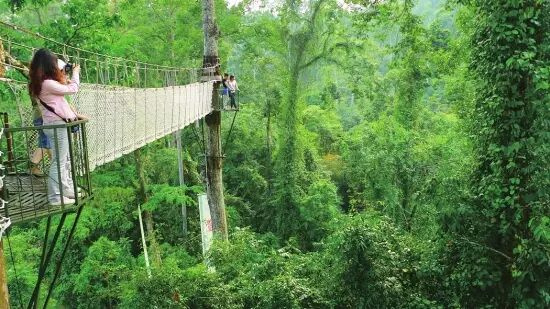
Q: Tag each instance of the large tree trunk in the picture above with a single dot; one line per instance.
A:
(211, 33)
(214, 163)
(406, 110)
(289, 165)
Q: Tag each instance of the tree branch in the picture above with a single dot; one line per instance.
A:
(486, 247)
(5, 57)
(324, 54)
(75, 32)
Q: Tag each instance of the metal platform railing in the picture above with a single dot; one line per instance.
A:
(25, 192)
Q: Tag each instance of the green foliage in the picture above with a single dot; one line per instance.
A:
(327, 126)
(369, 265)
(108, 264)
(26, 254)
(163, 195)
(109, 214)
(389, 156)
(317, 211)
(260, 277)
(510, 125)
(171, 287)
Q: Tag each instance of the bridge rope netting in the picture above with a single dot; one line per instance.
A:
(129, 103)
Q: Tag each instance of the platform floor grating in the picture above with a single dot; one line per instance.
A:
(27, 199)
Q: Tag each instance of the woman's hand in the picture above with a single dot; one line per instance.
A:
(82, 117)
(76, 69)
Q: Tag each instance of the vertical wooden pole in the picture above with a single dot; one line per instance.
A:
(144, 243)
(214, 179)
(4, 295)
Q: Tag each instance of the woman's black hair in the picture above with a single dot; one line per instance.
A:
(43, 66)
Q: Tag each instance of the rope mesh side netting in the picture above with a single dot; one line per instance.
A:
(124, 119)
(128, 103)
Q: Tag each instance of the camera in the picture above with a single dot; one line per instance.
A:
(68, 68)
(65, 66)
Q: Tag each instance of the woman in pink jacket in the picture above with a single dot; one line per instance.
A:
(49, 85)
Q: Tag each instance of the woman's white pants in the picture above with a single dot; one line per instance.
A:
(60, 163)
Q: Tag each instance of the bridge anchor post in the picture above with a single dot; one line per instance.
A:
(4, 294)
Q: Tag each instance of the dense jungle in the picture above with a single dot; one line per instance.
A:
(386, 154)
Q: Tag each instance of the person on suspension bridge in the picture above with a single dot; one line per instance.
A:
(233, 88)
(49, 85)
(225, 90)
(225, 80)
(44, 145)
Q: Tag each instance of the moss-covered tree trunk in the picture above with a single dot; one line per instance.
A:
(303, 31)
(407, 107)
(511, 60)
(290, 163)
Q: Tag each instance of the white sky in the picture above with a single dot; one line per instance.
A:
(268, 5)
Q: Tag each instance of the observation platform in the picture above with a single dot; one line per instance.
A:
(26, 194)
(27, 198)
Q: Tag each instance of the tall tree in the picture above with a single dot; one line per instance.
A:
(407, 108)
(511, 204)
(311, 37)
(214, 179)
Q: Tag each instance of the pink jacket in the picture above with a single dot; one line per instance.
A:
(53, 94)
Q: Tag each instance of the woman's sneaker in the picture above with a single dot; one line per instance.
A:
(66, 200)
(72, 195)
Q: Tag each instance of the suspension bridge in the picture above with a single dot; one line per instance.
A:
(129, 104)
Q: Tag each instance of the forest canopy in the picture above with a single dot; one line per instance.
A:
(386, 154)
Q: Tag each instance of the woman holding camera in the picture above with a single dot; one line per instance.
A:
(49, 85)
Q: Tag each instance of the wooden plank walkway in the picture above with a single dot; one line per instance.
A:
(27, 199)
